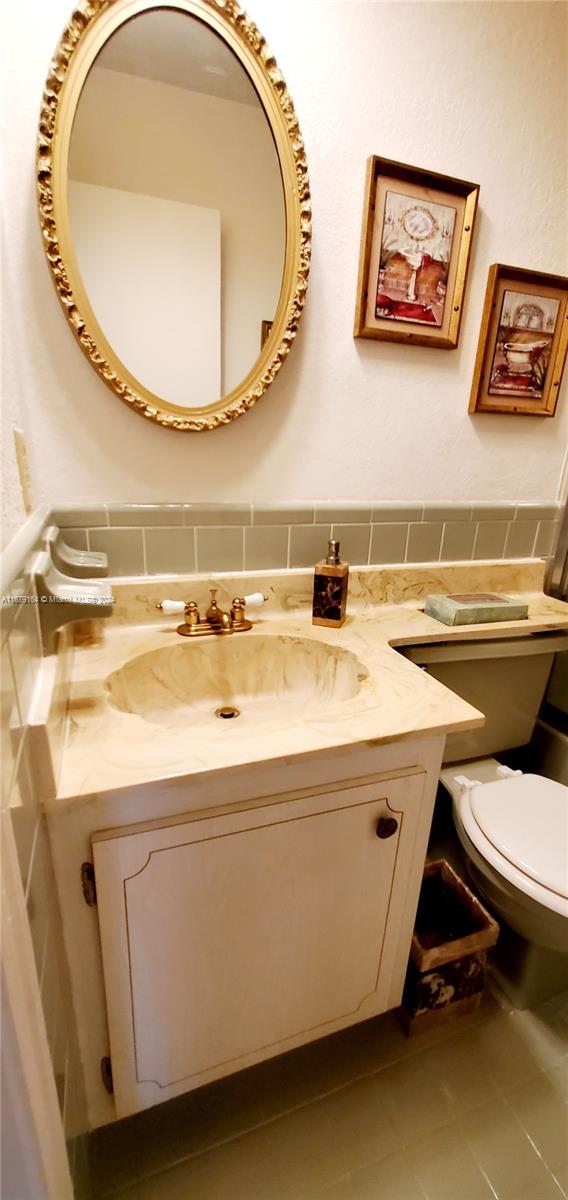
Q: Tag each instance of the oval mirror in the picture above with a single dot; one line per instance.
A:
(174, 204)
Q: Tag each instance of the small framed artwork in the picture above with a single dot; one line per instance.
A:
(522, 343)
(415, 250)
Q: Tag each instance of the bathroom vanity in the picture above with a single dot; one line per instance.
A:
(247, 885)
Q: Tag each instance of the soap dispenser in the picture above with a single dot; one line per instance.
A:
(330, 589)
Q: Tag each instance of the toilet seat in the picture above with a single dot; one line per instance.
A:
(520, 826)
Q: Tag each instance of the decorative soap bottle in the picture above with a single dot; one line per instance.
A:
(330, 589)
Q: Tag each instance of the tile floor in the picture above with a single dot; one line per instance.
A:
(477, 1110)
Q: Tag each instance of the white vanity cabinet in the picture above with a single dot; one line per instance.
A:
(231, 937)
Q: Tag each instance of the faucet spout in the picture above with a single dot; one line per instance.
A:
(215, 615)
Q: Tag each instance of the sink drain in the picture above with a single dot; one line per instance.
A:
(228, 712)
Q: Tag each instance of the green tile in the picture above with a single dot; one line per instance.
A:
(490, 539)
(521, 539)
(10, 725)
(393, 512)
(24, 815)
(170, 550)
(217, 514)
(424, 542)
(342, 514)
(537, 512)
(388, 543)
(26, 655)
(12, 596)
(219, 549)
(544, 1117)
(129, 515)
(76, 538)
(457, 541)
(277, 514)
(445, 1166)
(447, 512)
(489, 511)
(308, 544)
(266, 547)
(124, 548)
(389, 1179)
(354, 542)
(546, 537)
(79, 516)
(502, 1149)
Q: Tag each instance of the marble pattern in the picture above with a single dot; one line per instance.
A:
(186, 681)
(107, 749)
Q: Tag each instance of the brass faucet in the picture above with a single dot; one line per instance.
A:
(215, 621)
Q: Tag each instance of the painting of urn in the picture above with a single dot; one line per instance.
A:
(416, 246)
(521, 357)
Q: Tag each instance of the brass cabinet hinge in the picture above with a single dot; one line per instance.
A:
(88, 883)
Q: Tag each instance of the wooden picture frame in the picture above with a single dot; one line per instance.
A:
(414, 257)
(523, 343)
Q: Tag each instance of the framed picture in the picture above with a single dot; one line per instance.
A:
(522, 343)
(415, 250)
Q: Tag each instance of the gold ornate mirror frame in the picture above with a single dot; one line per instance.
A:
(89, 27)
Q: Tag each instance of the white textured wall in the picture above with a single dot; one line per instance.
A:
(139, 132)
(474, 89)
(12, 512)
(129, 247)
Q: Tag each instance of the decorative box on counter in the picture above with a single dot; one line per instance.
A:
(475, 609)
(446, 971)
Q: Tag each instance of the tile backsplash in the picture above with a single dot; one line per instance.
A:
(159, 539)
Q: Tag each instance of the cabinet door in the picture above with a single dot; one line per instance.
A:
(230, 938)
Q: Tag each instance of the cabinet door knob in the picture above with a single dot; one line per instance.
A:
(386, 826)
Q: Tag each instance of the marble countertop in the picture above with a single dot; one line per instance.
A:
(107, 749)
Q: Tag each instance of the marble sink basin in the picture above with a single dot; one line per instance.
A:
(264, 678)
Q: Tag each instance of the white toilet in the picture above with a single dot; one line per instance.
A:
(513, 827)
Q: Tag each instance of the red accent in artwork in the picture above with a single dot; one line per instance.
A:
(518, 382)
(402, 308)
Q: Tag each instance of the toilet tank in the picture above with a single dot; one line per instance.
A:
(503, 677)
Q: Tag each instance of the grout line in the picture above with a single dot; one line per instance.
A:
(405, 559)
(535, 539)
(507, 536)
(475, 537)
(31, 861)
(41, 973)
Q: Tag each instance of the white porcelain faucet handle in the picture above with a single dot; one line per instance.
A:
(255, 598)
(171, 606)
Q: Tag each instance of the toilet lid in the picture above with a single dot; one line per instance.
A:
(526, 818)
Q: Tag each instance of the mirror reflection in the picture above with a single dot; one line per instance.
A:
(176, 207)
